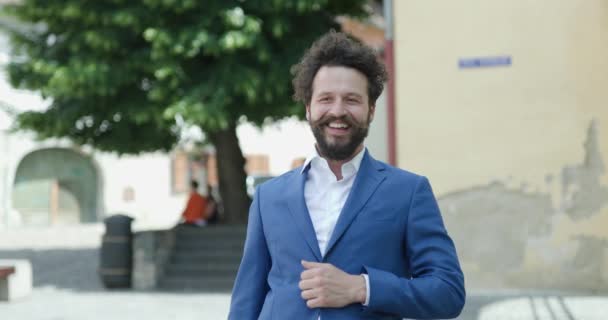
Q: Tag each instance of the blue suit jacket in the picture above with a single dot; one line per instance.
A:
(390, 228)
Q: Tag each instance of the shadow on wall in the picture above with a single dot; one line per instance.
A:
(74, 269)
(506, 238)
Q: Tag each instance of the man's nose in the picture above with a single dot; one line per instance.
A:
(338, 108)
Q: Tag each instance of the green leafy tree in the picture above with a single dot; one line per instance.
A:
(119, 73)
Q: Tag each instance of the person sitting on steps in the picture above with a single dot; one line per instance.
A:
(196, 210)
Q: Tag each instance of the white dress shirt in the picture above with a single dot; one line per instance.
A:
(325, 197)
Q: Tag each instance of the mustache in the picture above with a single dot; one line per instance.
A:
(328, 119)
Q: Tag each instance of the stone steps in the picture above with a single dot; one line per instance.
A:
(204, 259)
(204, 256)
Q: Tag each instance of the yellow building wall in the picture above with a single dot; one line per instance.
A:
(516, 154)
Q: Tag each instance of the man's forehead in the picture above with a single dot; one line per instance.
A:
(346, 93)
(339, 79)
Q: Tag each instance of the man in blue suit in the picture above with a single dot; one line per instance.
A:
(345, 236)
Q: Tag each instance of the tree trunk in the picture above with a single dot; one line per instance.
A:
(231, 174)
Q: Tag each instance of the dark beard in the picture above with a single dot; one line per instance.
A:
(338, 151)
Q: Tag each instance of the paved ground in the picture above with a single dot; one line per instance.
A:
(534, 306)
(57, 304)
(50, 303)
(67, 287)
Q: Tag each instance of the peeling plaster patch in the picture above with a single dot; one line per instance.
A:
(511, 237)
(589, 262)
(582, 193)
(581, 264)
(492, 223)
(543, 251)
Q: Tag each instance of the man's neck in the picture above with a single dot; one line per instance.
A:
(336, 165)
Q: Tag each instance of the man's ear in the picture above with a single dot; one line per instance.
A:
(372, 110)
(308, 112)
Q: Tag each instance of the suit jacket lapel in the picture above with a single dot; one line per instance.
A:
(368, 179)
(297, 206)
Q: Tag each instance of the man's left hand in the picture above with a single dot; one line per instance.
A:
(324, 285)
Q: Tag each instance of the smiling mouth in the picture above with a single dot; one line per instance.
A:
(337, 129)
(338, 125)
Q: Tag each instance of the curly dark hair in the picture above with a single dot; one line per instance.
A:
(338, 49)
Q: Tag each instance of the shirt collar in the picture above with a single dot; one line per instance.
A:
(355, 162)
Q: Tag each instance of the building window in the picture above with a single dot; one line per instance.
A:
(257, 164)
(128, 194)
(184, 168)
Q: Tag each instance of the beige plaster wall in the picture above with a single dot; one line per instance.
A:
(515, 154)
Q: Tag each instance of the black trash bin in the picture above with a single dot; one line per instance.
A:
(116, 252)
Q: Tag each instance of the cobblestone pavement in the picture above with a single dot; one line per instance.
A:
(58, 304)
(50, 303)
(67, 287)
(535, 306)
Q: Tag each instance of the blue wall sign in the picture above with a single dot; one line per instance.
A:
(484, 62)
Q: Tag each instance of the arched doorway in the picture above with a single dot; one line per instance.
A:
(56, 186)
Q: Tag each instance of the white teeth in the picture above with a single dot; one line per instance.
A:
(338, 125)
